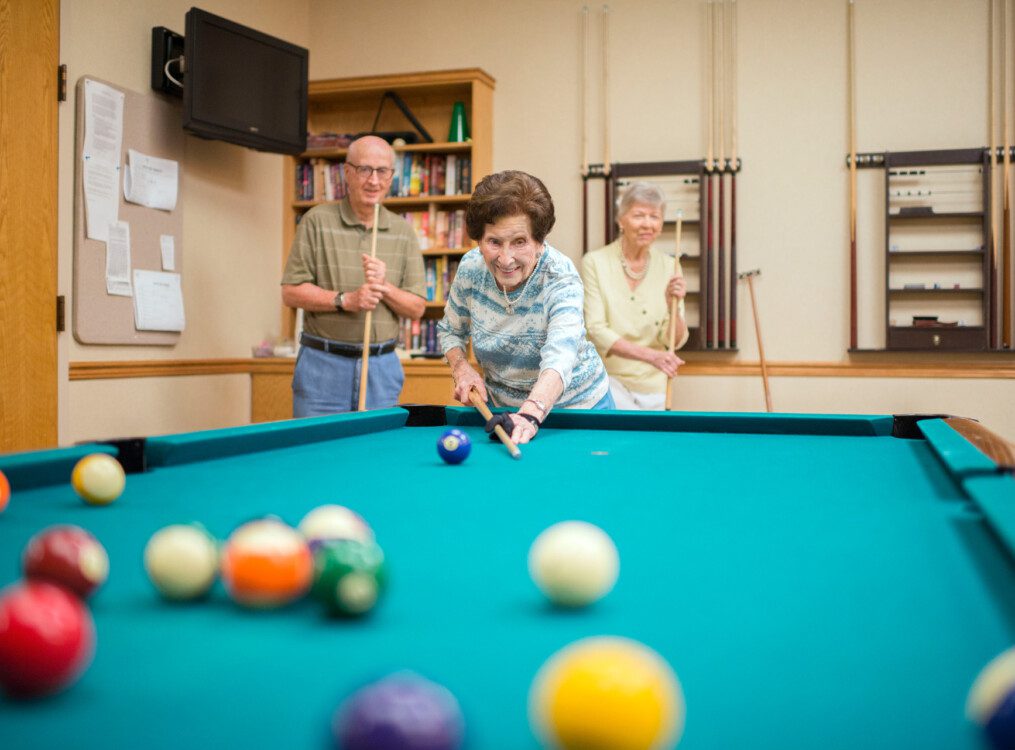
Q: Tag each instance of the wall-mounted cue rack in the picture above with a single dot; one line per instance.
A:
(942, 259)
(704, 194)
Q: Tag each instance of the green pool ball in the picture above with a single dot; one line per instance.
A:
(349, 576)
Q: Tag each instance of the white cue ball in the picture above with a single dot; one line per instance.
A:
(335, 522)
(574, 563)
(182, 561)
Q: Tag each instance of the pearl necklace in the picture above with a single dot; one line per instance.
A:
(507, 302)
(631, 274)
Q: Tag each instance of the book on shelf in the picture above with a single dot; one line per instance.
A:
(320, 179)
(419, 337)
(416, 175)
(438, 274)
(431, 175)
(438, 228)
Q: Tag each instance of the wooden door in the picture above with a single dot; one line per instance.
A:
(29, 58)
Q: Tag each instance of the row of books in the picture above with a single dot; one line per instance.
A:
(438, 273)
(432, 174)
(320, 180)
(438, 228)
(415, 175)
(418, 336)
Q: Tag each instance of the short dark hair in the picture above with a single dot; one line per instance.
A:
(510, 193)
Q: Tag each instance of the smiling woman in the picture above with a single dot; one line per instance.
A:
(520, 301)
(630, 288)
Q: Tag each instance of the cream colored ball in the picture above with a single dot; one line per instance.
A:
(99, 479)
(574, 563)
(181, 561)
(335, 522)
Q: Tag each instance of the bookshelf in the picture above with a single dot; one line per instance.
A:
(434, 207)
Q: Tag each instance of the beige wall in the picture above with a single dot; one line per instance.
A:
(231, 233)
(921, 84)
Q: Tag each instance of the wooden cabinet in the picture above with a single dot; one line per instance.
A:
(271, 397)
(431, 189)
(937, 230)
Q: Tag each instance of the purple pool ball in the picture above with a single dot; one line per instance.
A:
(403, 711)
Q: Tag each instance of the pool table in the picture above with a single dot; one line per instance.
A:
(815, 581)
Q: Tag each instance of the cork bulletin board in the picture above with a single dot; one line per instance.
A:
(152, 126)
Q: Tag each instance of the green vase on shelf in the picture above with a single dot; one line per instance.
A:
(459, 132)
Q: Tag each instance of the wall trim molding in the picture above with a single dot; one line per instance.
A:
(158, 368)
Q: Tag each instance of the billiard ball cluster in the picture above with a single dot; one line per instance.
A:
(47, 636)
(266, 564)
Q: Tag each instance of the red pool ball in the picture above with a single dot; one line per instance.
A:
(5, 492)
(47, 638)
(69, 556)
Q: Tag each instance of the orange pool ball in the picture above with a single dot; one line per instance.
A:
(5, 492)
(266, 564)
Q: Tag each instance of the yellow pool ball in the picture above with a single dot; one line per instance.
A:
(607, 693)
(98, 479)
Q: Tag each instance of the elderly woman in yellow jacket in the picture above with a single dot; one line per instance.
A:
(628, 288)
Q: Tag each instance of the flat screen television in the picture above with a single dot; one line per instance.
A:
(243, 86)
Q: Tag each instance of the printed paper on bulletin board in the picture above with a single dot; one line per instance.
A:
(152, 126)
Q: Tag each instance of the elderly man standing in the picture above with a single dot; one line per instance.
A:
(331, 276)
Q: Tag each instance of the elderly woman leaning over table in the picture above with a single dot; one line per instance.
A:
(520, 301)
(629, 286)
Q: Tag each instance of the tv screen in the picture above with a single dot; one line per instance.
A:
(243, 86)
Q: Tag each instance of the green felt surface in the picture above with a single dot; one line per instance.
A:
(810, 590)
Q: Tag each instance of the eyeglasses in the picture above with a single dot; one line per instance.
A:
(383, 173)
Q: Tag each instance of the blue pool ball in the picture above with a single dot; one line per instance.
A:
(454, 446)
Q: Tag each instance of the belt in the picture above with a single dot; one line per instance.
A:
(346, 350)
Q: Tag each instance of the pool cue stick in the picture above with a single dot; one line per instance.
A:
(705, 315)
(721, 247)
(1006, 271)
(852, 181)
(498, 430)
(608, 190)
(992, 308)
(749, 275)
(584, 91)
(606, 90)
(365, 367)
(673, 313)
(733, 174)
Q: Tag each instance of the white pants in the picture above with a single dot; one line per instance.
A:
(628, 400)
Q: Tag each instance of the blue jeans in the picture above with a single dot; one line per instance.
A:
(326, 383)
(606, 402)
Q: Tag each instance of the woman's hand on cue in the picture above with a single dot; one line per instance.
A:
(676, 287)
(466, 380)
(523, 430)
(663, 360)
